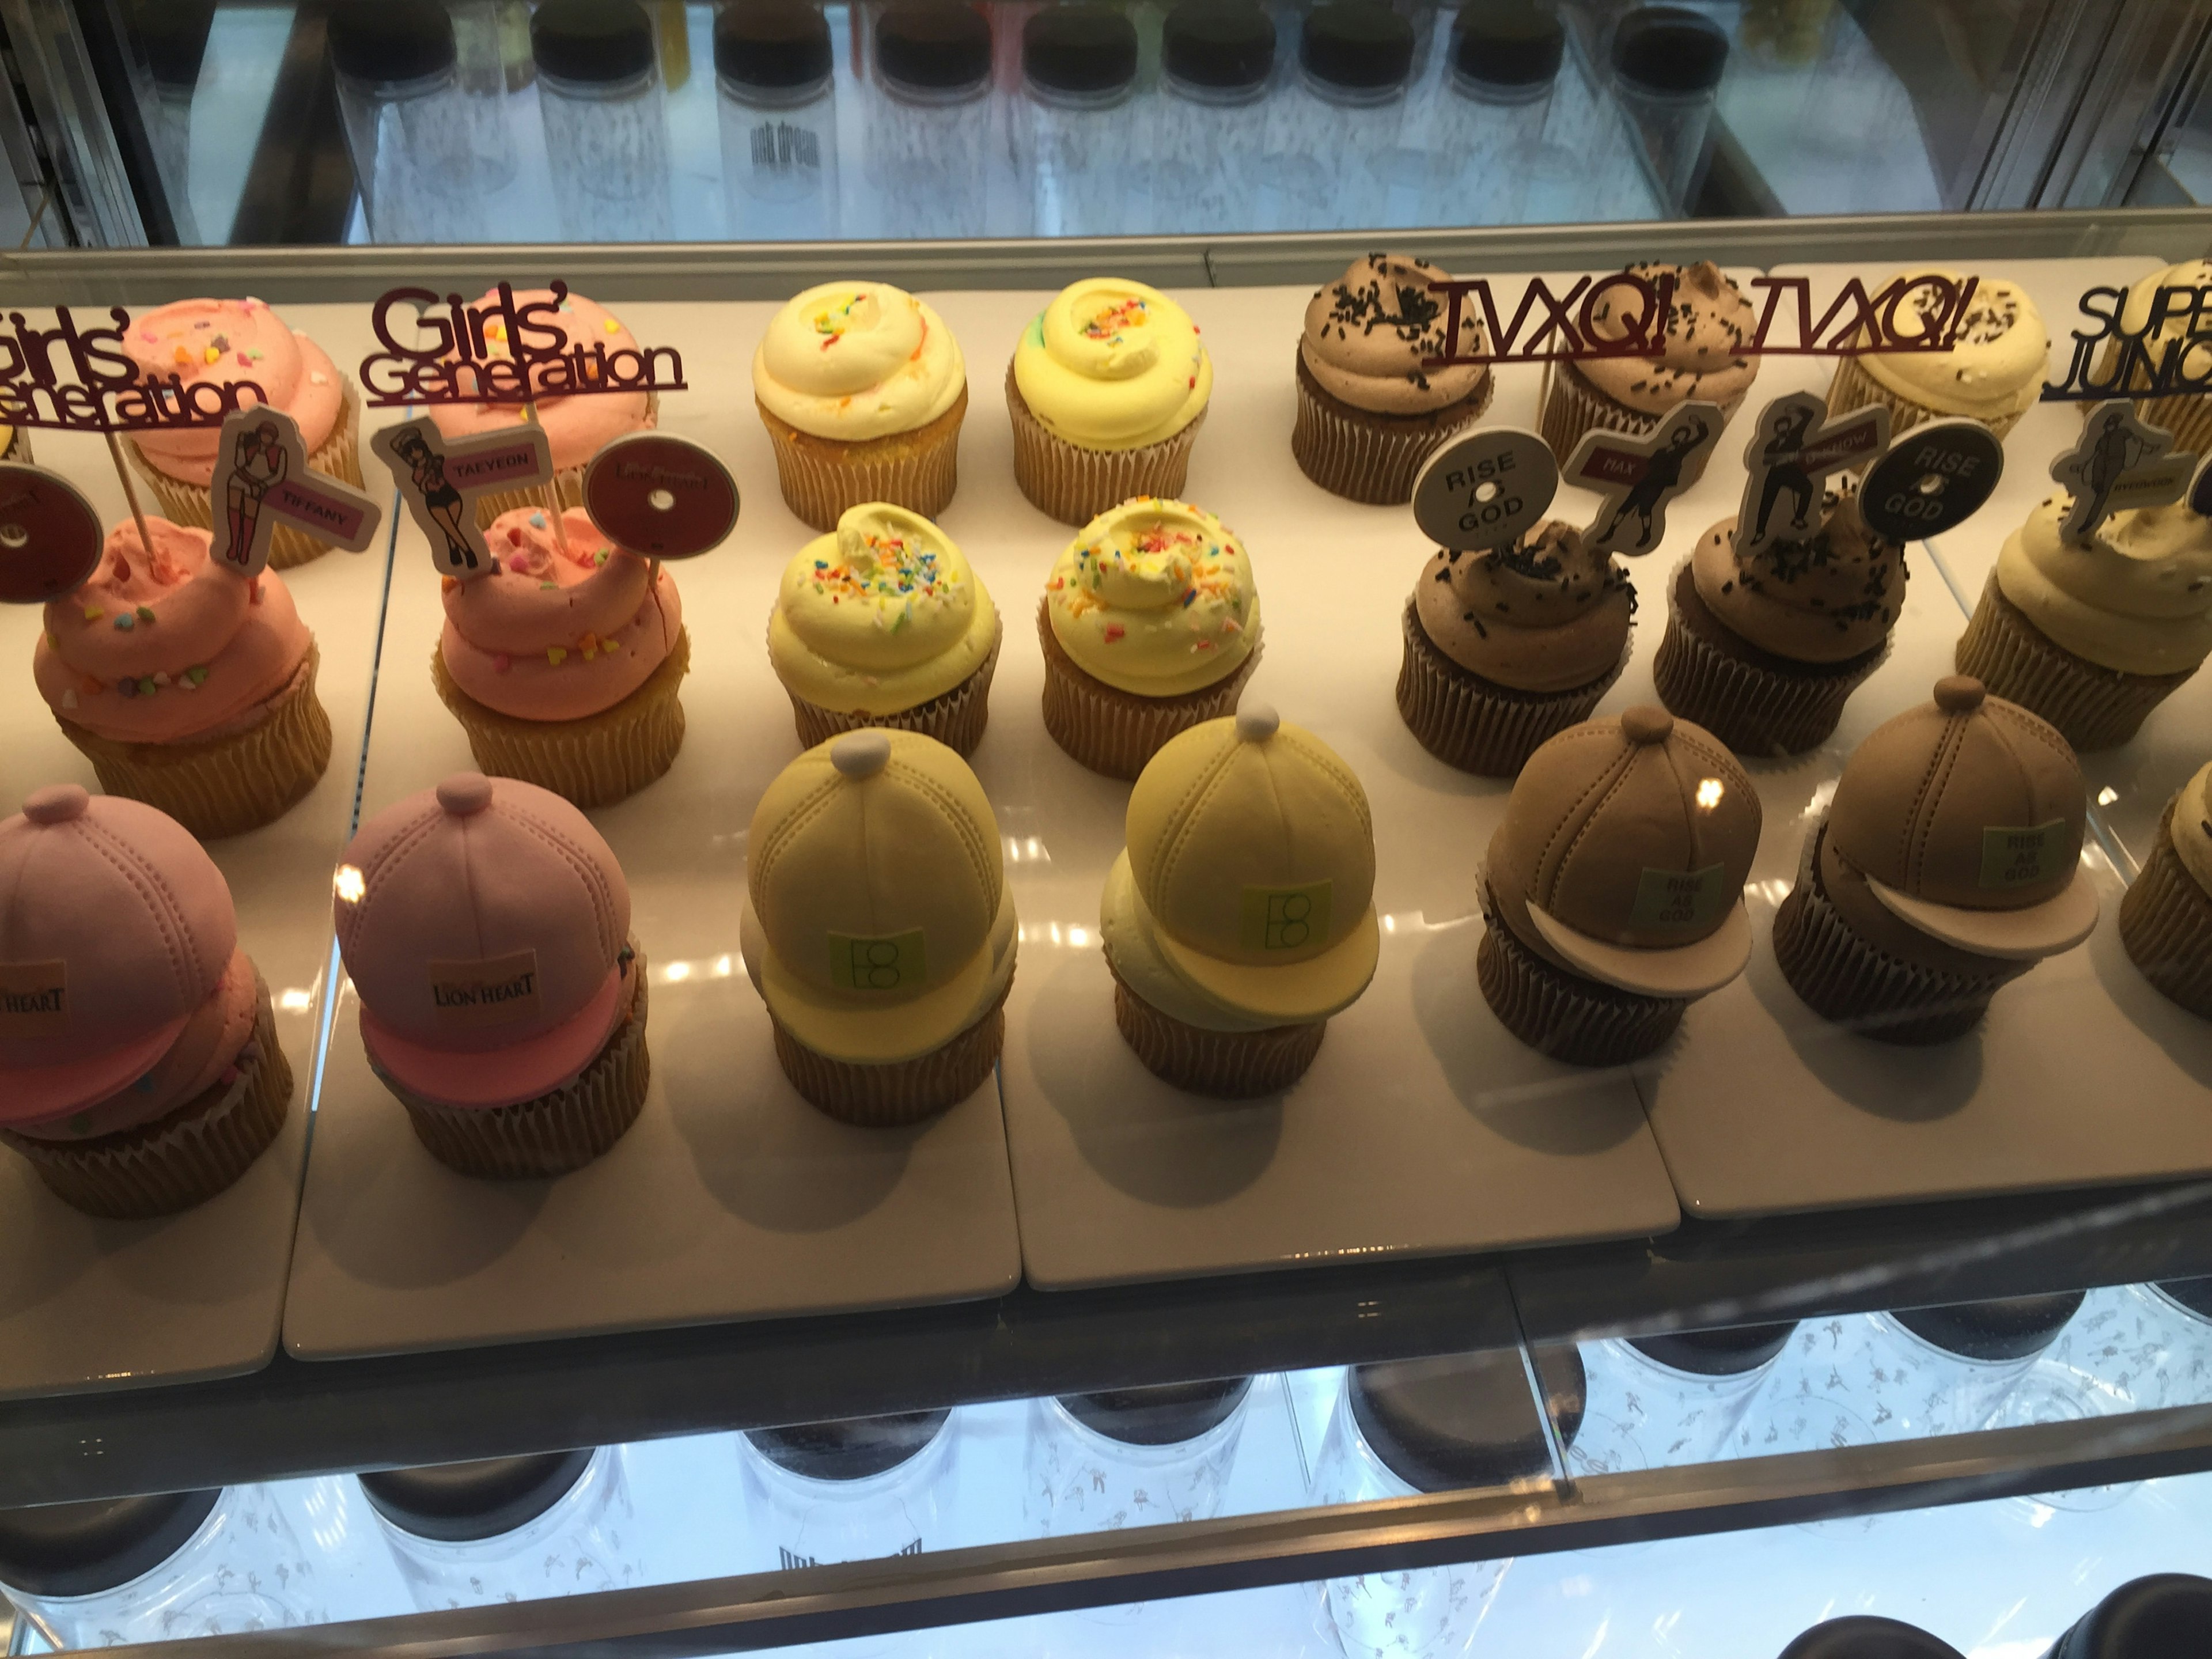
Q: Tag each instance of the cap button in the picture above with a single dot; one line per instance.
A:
(1256, 722)
(465, 793)
(1644, 724)
(1959, 694)
(56, 803)
(861, 754)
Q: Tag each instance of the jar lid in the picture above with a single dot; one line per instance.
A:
(464, 1503)
(2194, 1294)
(2164, 1616)
(851, 1450)
(83, 1549)
(1729, 1352)
(1670, 49)
(1080, 48)
(1164, 1416)
(594, 42)
(2015, 1328)
(773, 44)
(936, 46)
(1359, 44)
(1465, 1420)
(174, 35)
(1224, 43)
(393, 42)
(1863, 1636)
(1508, 43)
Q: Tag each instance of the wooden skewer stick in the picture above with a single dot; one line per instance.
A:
(130, 495)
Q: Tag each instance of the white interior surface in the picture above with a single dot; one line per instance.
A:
(90, 1304)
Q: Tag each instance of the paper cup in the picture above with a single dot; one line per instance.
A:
(1074, 484)
(1226, 1065)
(1561, 1014)
(1477, 725)
(821, 478)
(1366, 457)
(955, 719)
(904, 1092)
(1114, 732)
(2093, 706)
(2165, 924)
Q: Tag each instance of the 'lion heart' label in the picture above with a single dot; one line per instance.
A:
(883, 961)
(34, 999)
(1695, 899)
(485, 991)
(1284, 918)
(2014, 857)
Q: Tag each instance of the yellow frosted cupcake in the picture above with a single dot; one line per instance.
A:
(2180, 330)
(1994, 375)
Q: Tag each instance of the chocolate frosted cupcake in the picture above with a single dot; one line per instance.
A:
(1505, 649)
(1613, 890)
(2165, 920)
(1369, 413)
(1762, 650)
(1948, 865)
(1708, 326)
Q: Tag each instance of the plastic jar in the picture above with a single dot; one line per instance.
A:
(856, 1490)
(1335, 159)
(1217, 62)
(1482, 128)
(606, 131)
(933, 125)
(1680, 1397)
(2168, 1345)
(1667, 66)
(412, 132)
(1131, 1457)
(1085, 165)
(773, 71)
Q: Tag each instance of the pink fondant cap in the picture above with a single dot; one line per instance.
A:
(482, 923)
(114, 926)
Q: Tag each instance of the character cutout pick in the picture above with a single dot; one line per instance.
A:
(2122, 461)
(1794, 448)
(1638, 477)
(440, 478)
(262, 479)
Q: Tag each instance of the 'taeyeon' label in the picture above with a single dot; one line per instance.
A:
(1284, 918)
(2023, 857)
(34, 999)
(488, 990)
(886, 962)
(1682, 898)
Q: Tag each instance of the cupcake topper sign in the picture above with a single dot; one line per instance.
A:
(50, 537)
(440, 478)
(2122, 461)
(501, 351)
(1794, 448)
(262, 480)
(1933, 479)
(1638, 477)
(1485, 489)
(662, 495)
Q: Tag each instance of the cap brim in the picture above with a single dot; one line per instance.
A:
(1289, 993)
(2040, 930)
(35, 1093)
(1678, 971)
(503, 1075)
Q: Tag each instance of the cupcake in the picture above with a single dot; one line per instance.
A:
(485, 925)
(884, 623)
(2181, 330)
(878, 928)
(221, 342)
(1708, 326)
(1947, 863)
(2165, 920)
(139, 1068)
(1241, 915)
(16, 445)
(1762, 650)
(577, 425)
(188, 686)
(1993, 374)
(2092, 638)
(1508, 647)
(862, 390)
(1369, 414)
(1613, 890)
(1106, 390)
(1150, 624)
(563, 663)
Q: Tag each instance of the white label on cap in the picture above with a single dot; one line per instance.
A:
(1284, 918)
(34, 999)
(485, 991)
(883, 962)
(1681, 898)
(2023, 857)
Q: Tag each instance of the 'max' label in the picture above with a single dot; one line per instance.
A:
(885, 962)
(1284, 918)
(485, 991)
(2022, 857)
(1682, 898)
(34, 999)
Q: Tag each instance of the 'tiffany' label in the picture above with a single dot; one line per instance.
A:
(34, 999)
(489, 991)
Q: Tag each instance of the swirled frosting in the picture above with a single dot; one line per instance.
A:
(1708, 326)
(880, 615)
(557, 633)
(1155, 597)
(1997, 367)
(851, 360)
(219, 342)
(577, 427)
(2138, 599)
(1549, 613)
(1827, 599)
(2191, 827)
(169, 648)
(1368, 333)
(1111, 364)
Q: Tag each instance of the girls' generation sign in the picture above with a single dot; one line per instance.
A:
(71, 378)
(502, 349)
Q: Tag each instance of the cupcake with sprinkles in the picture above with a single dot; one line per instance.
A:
(563, 664)
(1702, 357)
(1151, 625)
(884, 623)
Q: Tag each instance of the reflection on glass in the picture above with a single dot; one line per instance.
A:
(606, 131)
(1667, 65)
(778, 106)
(932, 124)
(1078, 75)
(411, 129)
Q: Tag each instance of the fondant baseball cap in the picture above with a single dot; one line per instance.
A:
(1625, 845)
(875, 886)
(115, 926)
(484, 923)
(1252, 849)
(1966, 816)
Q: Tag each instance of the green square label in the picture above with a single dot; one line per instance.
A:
(883, 962)
(2016, 857)
(1682, 898)
(1284, 918)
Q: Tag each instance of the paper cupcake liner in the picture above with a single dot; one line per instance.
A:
(955, 719)
(553, 1133)
(19, 446)
(183, 1158)
(228, 785)
(592, 762)
(1561, 1014)
(1477, 725)
(1370, 457)
(1226, 1065)
(1115, 731)
(1841, 977)
(1075, 485)
(1754, 709)
(568, 484)
(2166, 923)
(1572, 406)
(904, 1092)
(338, 457)
(2093, 706)
(2187, 415)
(821, 477)
(1854, 388)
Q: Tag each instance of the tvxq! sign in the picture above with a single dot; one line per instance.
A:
(502, 349)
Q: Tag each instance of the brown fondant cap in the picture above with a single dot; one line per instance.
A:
(1967, 800)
